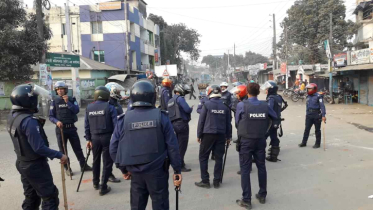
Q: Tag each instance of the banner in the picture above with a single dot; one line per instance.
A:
(115, 5)
(327, 49)
(283, 68)
(166, 71)
(360, 56)
(340, 60)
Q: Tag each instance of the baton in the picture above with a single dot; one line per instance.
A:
(85, 164)
(64, 188)
(323, 132)
(64, 149)
(225, 158)
(229, 107)
(177, 189)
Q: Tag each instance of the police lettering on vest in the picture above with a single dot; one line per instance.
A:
(102, 112)
(216, 117)
(64, 114)
(258, 115)
(254, 122)
(143, 139)
(100, 121)
(217, 111)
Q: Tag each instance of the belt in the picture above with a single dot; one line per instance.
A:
(314, 110)
(68, 125)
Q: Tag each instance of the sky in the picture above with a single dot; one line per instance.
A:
(221, 23)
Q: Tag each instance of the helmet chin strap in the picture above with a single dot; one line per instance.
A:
(223, 91)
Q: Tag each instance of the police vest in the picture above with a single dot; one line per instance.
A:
(163, 102)
(64, 114)
(174, 109)
(226, 97)
(21, 145)
(143, 140)
(117, 106)
(255, 121)
(216, 118)
(277, 104)
(99, 118)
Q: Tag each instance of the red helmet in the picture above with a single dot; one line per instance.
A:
(313, 88)
(166, 82)
(241, 91)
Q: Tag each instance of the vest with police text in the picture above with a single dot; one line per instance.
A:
(277, 105)
(64, 114)
(143, 140)
(216, 117)
(174, 109)
(21, 145)
(254, 122)
(99, 118)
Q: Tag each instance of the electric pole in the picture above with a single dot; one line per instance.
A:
(67, 26)
(234, 56)
(274, 45)
(40, 24)
(331, 57)
(128, 39)
(286, 56)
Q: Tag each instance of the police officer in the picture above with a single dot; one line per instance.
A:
(274, 102)
(202, 101)
(214, 129)
(32, 148)
(315, 113)
(180, 115)
(115, 96)
(252, 118)
(166, 93)
(239, 94)
(140, 145)
(225, 94)
(100, 120)
(63, 112)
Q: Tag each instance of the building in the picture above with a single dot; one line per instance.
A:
(103, 33)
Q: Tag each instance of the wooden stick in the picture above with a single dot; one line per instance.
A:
(64, 188)
(323, 133)
(64, 149)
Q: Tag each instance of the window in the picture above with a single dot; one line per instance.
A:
(151, 39)
(367, 13)
(99, 55)
(96, 27)
(63, 29)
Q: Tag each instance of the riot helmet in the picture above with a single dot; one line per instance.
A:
(224, 84)
(101, 94)
(311, 88)
(60, 84)
(25, 96)
(182, 89)
(166, 82)
(115, 90)
(271, 86)
(214, 91)
(240, 91)
(143, 94)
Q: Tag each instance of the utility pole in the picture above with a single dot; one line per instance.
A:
(286, 56)
(128, 38)
(67, 26)
(274, 45)
(331, 52)
(234, 56)
(40, 24)
(228, 71)
(165, 47)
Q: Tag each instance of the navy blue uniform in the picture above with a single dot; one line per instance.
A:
(99, 123)
(151, 177)
(201, 102)
(314, 112)
(166, 95)
(214, 128)
(253, 146)
(31, 147)
(67, 114)
(181, 126)
(275, 103)
(117, 105)
(227, 98)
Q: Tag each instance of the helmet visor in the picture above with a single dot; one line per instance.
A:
(37, 90)
(266, 86)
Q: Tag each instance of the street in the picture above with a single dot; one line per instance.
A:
(339, 178)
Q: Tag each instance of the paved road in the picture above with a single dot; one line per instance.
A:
(339, 178)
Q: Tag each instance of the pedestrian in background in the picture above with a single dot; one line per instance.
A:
(192, 92)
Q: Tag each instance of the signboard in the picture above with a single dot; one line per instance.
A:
(171, 70)
(114, 5)
(263, 66)
(63, 60)
(340, 60)
(283, 68)
(327, 49)
(360, 56)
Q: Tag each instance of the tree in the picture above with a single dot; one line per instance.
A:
(177, 38)
(252, 58)
(20, 44)
(308, 26)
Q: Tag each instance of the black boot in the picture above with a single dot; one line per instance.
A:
(216, 185)
(272, 156)
(302, 144)
(239, 172)
(261, 199)
(203, 184)
(184, 169)
(104, 190)
(113, 179)
(316, 146)
(87, 168)
(244, 204)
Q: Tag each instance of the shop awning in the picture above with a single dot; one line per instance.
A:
(356, 67)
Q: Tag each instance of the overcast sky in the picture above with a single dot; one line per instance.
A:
(247, 23)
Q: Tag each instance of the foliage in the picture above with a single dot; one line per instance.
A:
(308, 24)
(20, 44)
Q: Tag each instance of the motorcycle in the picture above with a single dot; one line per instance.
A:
(326, 95)
(339, 94)
(298, 94)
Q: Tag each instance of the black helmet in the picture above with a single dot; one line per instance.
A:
(214, 91)
(60, 84)
(143, 93)
(271, 86)
(182, 89)
(101, 94)
(23, 98)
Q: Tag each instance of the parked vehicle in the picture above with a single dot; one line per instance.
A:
(326, 95)
(339, 95)
(298, 94)
(288, 92)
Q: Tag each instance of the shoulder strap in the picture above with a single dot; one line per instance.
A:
(12, 122)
